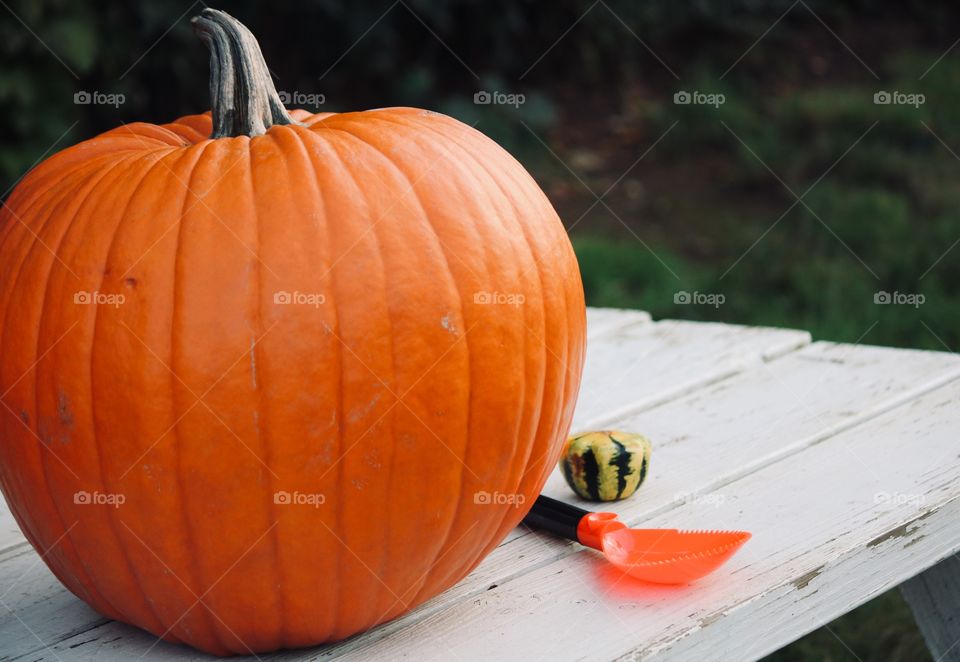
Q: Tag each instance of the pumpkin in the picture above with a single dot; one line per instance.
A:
(258, 364)
(607, 465)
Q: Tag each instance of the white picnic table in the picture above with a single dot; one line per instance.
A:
(843, 460)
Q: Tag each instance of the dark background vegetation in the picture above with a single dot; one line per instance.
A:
(695, 198)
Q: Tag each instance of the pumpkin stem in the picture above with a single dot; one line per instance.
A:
(242, 96)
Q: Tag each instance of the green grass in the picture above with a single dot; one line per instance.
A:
(883, 219)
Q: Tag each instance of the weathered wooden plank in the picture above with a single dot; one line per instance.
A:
(642, 364)
(934, 598)
(834, 525)
(603, 320)
(10, 534)
(709, 438)
(35, 610)
(731, 427)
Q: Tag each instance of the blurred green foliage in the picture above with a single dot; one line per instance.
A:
(880, 189)
(426, 53)
(880, 631)
(696, 198)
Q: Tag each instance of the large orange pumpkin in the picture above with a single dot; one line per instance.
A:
(270, 379)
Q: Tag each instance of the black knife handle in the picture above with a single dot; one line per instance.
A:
(557, 517)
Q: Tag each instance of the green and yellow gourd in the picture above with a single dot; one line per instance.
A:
(607, 465)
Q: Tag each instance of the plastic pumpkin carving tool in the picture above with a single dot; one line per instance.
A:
(662, 556)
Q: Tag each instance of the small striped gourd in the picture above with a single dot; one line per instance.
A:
(607, 465)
